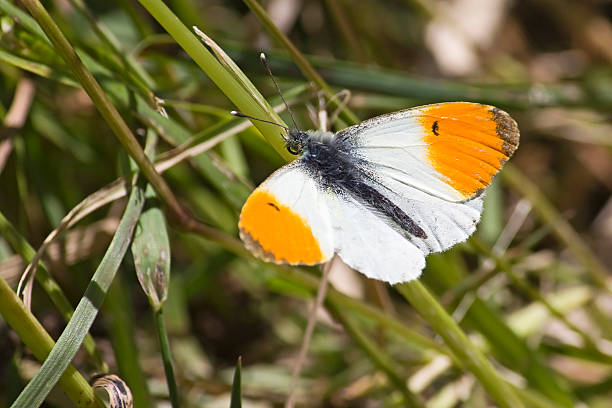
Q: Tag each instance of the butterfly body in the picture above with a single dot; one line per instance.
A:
(381, 194)
(332, 161)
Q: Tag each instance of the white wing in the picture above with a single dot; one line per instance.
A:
(445, 223)
(285, 219)
(288, 219)
(368, 244)
(449, 150)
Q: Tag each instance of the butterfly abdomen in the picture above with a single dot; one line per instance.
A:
(374, 198)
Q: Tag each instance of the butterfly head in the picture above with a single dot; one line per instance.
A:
(295, 141)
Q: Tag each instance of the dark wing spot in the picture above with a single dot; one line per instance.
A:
(435, 128)
(275, 206)
(507, 129)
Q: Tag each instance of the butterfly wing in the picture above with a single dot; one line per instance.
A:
(289, 219)
(369, 242)
(444, 223)
(432, 162)
(449, 150)
(285, 219)
(365, 242)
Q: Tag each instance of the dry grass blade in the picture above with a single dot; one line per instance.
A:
(16, 117)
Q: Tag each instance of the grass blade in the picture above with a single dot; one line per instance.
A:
(236, 401)
(472, 359)
(40, 342)
(72, 336)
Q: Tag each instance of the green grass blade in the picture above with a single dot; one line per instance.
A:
(164, 345)
(221, 76)
(598, 272)
(465, 352)
(236, 401)
(506, 345)
(378, 357)
(118, 311)
(299, 59)
(49, 285)
(86, 311)
(104, 105)
(37, 68)
(40, 342)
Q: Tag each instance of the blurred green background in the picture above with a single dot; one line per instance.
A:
(531, 289)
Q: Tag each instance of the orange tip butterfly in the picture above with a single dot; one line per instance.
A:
(381, 194)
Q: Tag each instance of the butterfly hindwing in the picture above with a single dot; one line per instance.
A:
(285, 219)
(444, 223)
(367, 243)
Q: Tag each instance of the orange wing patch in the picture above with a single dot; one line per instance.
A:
(275, 233)
(468, 143)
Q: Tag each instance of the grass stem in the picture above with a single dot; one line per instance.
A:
(164, 344)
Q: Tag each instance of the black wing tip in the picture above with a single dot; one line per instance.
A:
(507, 129)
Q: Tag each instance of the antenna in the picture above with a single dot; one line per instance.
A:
(242, 115)
(262, 56)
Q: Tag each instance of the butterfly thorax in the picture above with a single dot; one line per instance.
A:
(327, 160)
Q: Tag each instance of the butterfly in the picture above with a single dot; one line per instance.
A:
(382, 194)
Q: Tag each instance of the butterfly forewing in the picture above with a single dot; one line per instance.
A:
(449, 150)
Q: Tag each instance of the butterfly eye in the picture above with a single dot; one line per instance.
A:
(292, 150)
